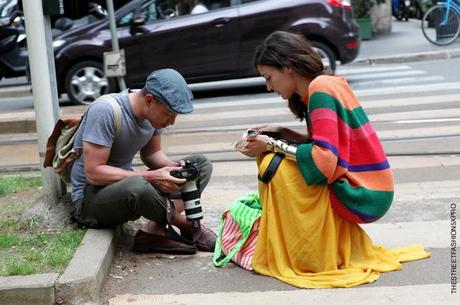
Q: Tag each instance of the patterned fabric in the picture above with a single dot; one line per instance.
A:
(345, 153)
(237, 233)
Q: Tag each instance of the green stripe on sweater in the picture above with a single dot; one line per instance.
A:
(307, 166)
(361, 199)
(354, 118)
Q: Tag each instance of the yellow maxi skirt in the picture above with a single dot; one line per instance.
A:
(304, 243)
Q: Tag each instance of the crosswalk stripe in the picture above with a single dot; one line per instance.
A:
(408, 295)
(258, 80)
(421, 88)
(418, 114)
(401, 80)
(376, 103)
(432, 234)
(407, 133)
(359, 70)
(377, 75)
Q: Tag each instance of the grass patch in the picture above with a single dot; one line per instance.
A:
(26, 248)
(29, 253)
(13, 184)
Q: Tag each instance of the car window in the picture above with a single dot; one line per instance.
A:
(193, 7)
(165, 9)
(149, 9)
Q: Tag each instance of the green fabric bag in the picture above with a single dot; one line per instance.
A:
(237, 232)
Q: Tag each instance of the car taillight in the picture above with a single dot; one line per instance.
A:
(340, 3)
(352, 45)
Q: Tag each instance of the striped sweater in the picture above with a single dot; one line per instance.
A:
(345, 153)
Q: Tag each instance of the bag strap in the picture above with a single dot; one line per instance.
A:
(116, 110)
(271, 168)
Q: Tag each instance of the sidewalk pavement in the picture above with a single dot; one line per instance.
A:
(77, 285)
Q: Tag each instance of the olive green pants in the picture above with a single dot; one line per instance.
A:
(129, 199)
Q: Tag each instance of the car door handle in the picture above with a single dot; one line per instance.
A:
(220, 22)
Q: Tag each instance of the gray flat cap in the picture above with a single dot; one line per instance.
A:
(170, 88)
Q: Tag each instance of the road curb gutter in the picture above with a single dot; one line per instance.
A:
(80, 283)
(412, 57)
(37, 289)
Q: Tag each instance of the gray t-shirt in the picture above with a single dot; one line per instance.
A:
(98, 127)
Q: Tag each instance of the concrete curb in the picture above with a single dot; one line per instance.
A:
(410, 57)
(16, 91)
(79, 284)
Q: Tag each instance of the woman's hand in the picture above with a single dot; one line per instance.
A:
(255, 145)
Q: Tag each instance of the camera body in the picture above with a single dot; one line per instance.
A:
(189, 192)
(189, 171)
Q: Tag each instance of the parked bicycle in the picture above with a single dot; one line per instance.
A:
(441, 23)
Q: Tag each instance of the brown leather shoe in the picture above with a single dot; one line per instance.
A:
(145, 242)
(206, 241)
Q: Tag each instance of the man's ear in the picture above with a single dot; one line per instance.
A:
(149, 99)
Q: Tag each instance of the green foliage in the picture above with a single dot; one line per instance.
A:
(28, 253)
(13, 184)
(25, 247)
(362, 8)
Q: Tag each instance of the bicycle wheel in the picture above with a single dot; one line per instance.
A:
(441, 26)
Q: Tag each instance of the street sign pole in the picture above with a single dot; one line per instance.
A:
(113, 30)
(43, 76)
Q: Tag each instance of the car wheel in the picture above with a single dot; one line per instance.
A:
(85, 82)
(326, 54)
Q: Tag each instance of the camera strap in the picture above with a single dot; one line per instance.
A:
(169, 230)
(271, 168)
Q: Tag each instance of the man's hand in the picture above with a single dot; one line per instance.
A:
(163, 181)
(181, 163)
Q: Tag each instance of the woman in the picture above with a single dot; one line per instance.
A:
(335, 176)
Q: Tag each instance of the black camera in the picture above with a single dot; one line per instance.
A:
(189, 171)
(189, 192)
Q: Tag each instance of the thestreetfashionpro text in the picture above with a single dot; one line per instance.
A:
(453, 248)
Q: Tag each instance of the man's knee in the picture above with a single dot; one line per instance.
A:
(203, 162)
(141, 192)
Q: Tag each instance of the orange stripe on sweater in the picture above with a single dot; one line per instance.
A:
(375, 180)
(336, 87)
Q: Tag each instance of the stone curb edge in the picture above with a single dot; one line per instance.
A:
(80, 283)
(16, 91)
(410, 57)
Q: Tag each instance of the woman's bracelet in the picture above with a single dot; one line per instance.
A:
(289, 150)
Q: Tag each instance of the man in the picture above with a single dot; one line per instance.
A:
(107, 192)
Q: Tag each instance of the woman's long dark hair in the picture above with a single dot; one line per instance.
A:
(283, 49)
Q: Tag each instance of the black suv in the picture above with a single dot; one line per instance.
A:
(216, 42)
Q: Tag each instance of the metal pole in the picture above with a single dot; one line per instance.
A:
(113, 30)
(43, 76)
